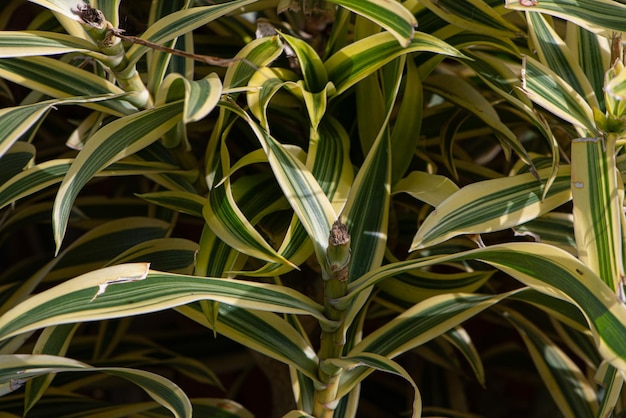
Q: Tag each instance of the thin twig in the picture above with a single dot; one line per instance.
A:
(220, 62)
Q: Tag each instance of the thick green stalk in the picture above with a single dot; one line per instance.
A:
(103, 33)
(335, 276)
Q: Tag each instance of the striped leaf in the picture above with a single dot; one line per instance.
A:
(462, 341)
(316, 103)
(425, 321)
(429, 188)
(32, 43)
(367, 208)
(616, 89)
(260, 52)
(552, 228)
(593, 54)
(121, 137)
(473, 15)
(301, 189)
(131, 289)
(597, 207)
(64, 7)
(600, 16)
(576, 338)
(556, 55)
(359, 59)
(546, 269)
(18, 158)
(178, 23)
(505, 81)
(17, 368)
(415, 326)
(161, 63)
(226, 219)
(391, 15)
(612, 381)
(493, 205)
(380, 363)
(52, 341)
(464, 95)
(60, 80)
(264, 332)
(184, 202)
(176, 255)
(551, 92)
(200, 96)
(329, 159)
(254, 206)
(420, 285)
(90, 251)
(406, 123)
(215, 258)
(567, 384)
(40, 176)
(313, 70)
(265, 84)
(372, 104)
(555, 272)
(15, 122)
(177, 180)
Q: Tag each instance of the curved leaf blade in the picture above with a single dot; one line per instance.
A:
(264, 332)
(38, 43)
(493, 205)
(17, 121)
(16, 368)
(131, 289)
(356, 61)
(548, 90)
(418, 325)
(122, 137)
(569, 387)
(299, 186)
(556, 55)
(178, 23)
(599, 16)
(200, 96)
(60, 80)
(52, 341)
(597, 208)
(313, 70)
(227, 220)
(545, 268)
(391, 15)
(40, 176)
(380, 363)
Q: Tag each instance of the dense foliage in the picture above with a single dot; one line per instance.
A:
(312, 208)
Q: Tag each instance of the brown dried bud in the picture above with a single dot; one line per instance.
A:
(90, 16)
(338, 234)
(338, 252)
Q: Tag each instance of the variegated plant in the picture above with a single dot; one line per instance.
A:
(319, 182)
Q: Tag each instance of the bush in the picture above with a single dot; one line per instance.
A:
(385, 220)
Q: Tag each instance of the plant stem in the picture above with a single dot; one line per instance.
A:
(107, 39)
(335, 276)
